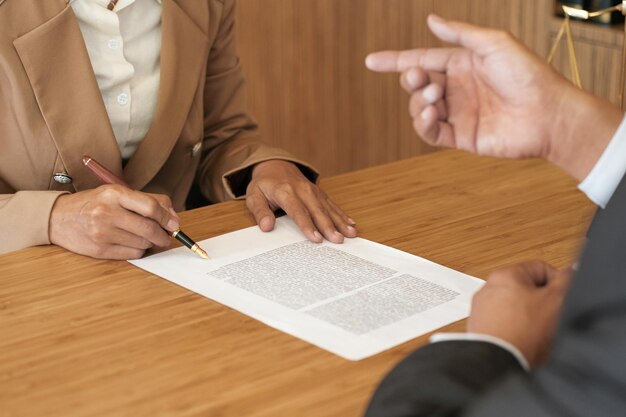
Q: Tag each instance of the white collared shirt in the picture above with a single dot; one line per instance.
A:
(124, 46)
(608, 172)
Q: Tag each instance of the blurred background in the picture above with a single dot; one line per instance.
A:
(311, 93)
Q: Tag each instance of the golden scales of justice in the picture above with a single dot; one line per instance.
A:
(567, 31)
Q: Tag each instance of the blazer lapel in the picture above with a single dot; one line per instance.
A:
(183, 55)
(58, 67)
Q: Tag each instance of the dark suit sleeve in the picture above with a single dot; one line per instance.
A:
(441, 379)
(585, 377)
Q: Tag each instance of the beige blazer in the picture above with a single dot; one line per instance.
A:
(52, 113)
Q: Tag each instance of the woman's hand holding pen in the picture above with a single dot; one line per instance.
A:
(112, 222)
(280, 185)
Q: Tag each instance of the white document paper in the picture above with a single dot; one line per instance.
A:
(354, 299)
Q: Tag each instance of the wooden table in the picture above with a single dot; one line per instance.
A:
(99, 338)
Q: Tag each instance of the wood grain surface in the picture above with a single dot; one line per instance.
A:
(308, 86)
(82, 337)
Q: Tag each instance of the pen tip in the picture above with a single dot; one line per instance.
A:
(202, 253)
(196, 249)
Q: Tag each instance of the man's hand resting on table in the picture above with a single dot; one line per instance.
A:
(521, 305)
(279, 184)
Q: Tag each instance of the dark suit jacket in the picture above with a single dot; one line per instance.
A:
(585, 375)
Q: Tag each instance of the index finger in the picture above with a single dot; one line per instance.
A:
(301, 216)
(430, 59)
(149, 207)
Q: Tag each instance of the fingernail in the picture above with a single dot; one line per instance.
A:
(264, 224)
(351, 229)
(425, 114)
(317, 236)
(369, 61)
(173, 224)
(351, 221)
(411, 78)
(431, 93)
(435, 18)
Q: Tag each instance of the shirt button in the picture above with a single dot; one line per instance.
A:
(114, 43)
(123, 99)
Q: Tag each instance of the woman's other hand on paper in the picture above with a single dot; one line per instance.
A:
(279, 184)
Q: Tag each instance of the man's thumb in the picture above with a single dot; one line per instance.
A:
(477, 39)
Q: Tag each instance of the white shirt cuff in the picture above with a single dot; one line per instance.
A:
(477, 337)
(606, 175)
